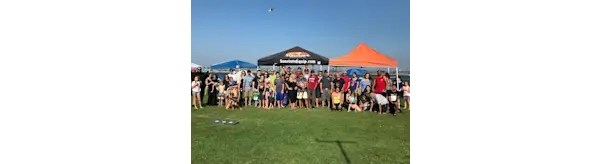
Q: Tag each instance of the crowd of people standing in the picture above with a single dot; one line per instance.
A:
(303, 88)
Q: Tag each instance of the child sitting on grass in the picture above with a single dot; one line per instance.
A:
(364, 103)
(336, 96)
(234, 97)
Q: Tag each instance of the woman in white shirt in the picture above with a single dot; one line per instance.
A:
(196, 92)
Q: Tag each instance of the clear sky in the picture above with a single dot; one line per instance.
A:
(245, 30)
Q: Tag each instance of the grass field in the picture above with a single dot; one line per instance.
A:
(303, 137)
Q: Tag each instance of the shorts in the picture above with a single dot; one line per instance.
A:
(407, 98)
(221, 95)
(279, 96)
(326, 95)
(292, 96)
(247, 94)
(312, 94)
(318, 93)
(384, 94)
(195, 92)
(336, 105)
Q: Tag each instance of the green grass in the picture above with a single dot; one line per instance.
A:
(284, 136)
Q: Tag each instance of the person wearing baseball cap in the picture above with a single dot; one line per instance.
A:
(326, 83)
(312, 87)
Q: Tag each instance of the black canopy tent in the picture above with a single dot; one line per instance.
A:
(294, 56)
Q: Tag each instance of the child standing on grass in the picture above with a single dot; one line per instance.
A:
(406, 94)
(272, 98)
(255, 97)
(221, 93)
(196, 91)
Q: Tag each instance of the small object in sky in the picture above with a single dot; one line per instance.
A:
(271, 9)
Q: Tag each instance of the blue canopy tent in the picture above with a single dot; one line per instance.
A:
(359, 72)
(232, 64)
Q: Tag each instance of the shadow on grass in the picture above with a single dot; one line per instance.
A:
(339, 143)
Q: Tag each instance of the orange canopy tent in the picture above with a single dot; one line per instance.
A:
(364, 56)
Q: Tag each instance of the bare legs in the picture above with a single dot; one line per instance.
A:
(197, 98)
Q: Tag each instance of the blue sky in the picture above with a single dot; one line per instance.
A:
(245, 30)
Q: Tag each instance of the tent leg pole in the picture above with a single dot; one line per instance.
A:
(398, 77)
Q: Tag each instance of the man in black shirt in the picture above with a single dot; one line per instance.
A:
(393, 97)
(339, 82)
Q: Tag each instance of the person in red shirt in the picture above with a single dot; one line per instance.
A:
(380, 83)
(298, 72)
(380, 86)
(346, 85)
(312, 86)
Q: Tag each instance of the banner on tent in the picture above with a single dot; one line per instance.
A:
(297, 54)
(298, 61)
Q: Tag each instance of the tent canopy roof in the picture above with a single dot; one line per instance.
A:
(232, 64)
(365, 56)
(294, 56)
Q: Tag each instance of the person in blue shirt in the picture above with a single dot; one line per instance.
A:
(248, 85)
(366, 81)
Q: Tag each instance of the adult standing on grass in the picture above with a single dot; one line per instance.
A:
(346, 87)
(354, 83)
(307, 72)
(203, 76)
(248, 87)
(232, 75)
(366, 81)
(210, 89)
(240, 86)
(312, 89)
(338, 82)
(272, 78)
(227, 82)
(379, 85)
(279, 90)
(261, 92)
(318, 90)
(367, 94)
(196, 90)
(291, 86)
(389, 82)
(301, 90)
(325, 84)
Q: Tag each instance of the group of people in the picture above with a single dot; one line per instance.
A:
(305, 88)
